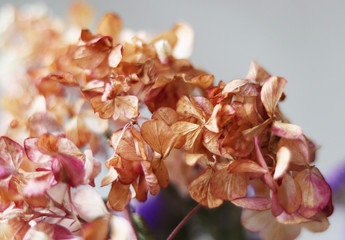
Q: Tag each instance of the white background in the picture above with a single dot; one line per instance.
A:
(303, 41)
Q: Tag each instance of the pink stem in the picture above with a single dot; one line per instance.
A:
(184, 220)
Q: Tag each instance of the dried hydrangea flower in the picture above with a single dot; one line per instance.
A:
(225, 142)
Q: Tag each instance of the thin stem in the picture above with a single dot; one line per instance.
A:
(184, 220)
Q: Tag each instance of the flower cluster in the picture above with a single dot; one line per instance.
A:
(225, 142)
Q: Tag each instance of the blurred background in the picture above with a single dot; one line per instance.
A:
(303, 41)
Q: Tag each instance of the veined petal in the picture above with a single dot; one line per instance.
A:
(200, 190)
(316, 192)
(119, 196)
(287, 130)
(271, 93)
(159, 136)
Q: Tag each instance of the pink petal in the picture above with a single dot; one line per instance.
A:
(253, 203)
(11, 153)
(33, 153)
(315, 191)
(38, 187)
(287, 130)
(68, 169)
(89, 204)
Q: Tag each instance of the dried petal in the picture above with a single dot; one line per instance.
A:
(159, 136)
(316, 192)
(298, 148)
(97, 229)
(283, 161)
(119, 196)
(271, 93)
(203, 81)
(110, 177)
(185, 40)
(253, 203)
(200, 190)
(257, 73)
(126, 106)
(89, 204)
(245, 165)
(11, 154)
(166, 114)
(115, 56)
(161, 172)
(287, 130)
(228, 186)
(150, 177)
(192, 132)
(187, 108)
(289, 194)
(110, 25)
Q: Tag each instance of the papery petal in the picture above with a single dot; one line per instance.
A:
(203, 81)
(104, 109)
(97, 229)
(163, 50)
(89, 204)
(11, 153)
(242, 87)
(320, 225)
(150, 178)
(161, 172)
(119, 196)
(127, 145)
(166, 114)
(271, 93)
(92, 168)
(187, 108)
(283, 161)
(293, 218)
(228, 186)
(289, 194)
(255, 221)
(287, 130)
(126, 106)
(315, 191)
(110, 177)
(253, 203)
(212, 123)
(115, 56)
(159, 136)
(200, 190)
(33, 152)
(68, 169)
(265, 223)
(245, 165)
(257, 73)
(110, 25)
(298, 148)
(185, 40)
(192, 132)
(58, 192)
(39, 186)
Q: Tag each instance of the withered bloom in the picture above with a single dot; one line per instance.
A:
(225, 142)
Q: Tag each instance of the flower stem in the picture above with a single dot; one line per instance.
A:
(184, 220)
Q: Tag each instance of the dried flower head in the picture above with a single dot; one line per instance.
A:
(225, 142)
